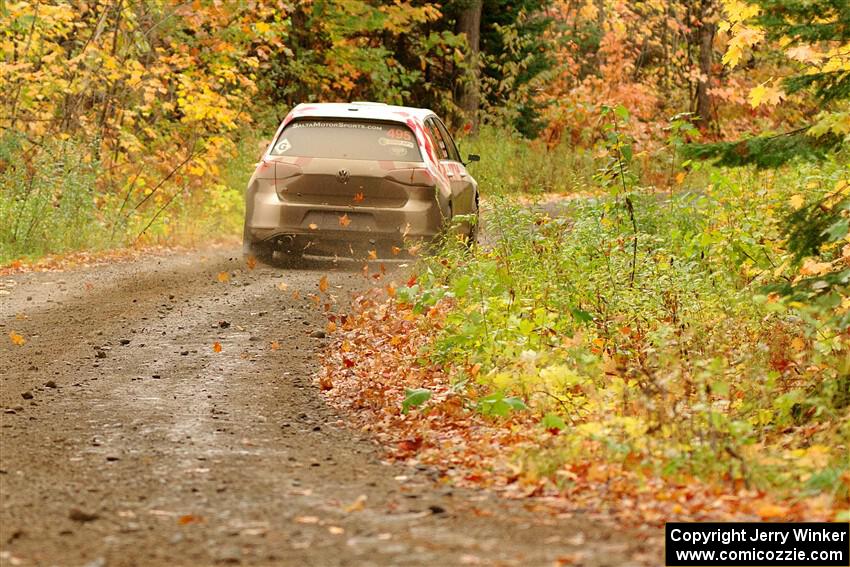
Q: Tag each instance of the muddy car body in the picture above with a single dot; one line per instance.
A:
(341, 178)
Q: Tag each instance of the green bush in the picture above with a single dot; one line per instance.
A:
(513, 164)
(654, 334)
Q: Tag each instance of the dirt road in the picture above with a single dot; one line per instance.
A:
(127, 440)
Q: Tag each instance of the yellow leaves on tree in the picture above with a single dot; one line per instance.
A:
(765, 94)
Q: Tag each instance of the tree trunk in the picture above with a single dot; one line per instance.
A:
(469, 24)
(706, 59)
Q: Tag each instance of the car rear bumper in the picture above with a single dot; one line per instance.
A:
(269, 219)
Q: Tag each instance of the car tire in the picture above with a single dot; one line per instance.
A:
(262, 251)
(288, 259)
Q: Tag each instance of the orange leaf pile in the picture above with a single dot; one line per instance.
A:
(375, 359)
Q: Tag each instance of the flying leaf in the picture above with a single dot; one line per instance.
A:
(223, 277)
(313, 226)
(323, 284)
(344, 221)
(395, 250)
(373, 254)
(251, 262)
(358, 197)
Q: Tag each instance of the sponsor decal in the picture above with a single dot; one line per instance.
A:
(283, 146)
(391, 142)
(329, 124)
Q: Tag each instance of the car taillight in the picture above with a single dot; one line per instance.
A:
(414, 176)
(272, 169)
(285, 170)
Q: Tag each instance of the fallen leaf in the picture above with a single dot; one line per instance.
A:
(217, 346)
(306, 519)
(358, 197)
(357, 505)
(771, 511)
(187, 519)
(344, 221)
(223, 277)
(274, 345)
(282, 286)
(251, 262)
(395, 250)
(17, 339)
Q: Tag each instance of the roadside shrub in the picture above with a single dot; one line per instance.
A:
(643, 326)
(48, 201)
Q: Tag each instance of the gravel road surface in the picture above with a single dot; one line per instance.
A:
(126, 439)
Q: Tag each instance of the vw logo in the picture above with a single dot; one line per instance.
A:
(343, 176)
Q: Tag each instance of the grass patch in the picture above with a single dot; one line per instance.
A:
(57, 198)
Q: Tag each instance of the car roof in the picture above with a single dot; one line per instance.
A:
(360, 111)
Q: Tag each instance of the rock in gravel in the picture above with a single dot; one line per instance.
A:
(318, 334)
(124, 341)
(50, 384)
(229, 556)
(100, 354)
(223, 324)
(27, 395)
(80, 516)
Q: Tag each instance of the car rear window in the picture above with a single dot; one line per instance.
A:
(348, 139)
